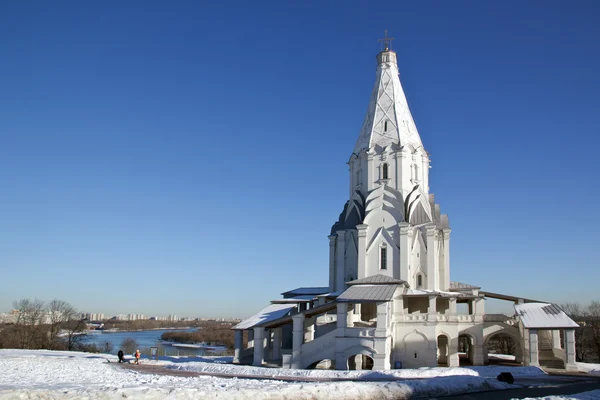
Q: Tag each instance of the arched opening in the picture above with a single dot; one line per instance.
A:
(384, 171)
(443, 345)
(322, 364)
(383, 257)
(466, 349)
(502, 349)
(360, 362)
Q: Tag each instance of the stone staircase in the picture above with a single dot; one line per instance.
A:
(547, 357)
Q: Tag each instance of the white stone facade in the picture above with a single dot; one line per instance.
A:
(390, 302)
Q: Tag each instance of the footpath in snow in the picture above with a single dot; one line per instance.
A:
(57, 375)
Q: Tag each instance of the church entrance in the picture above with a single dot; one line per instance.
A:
(466, 349)
(442, 350)
(360, 362)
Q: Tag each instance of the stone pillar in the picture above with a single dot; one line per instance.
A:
(556, 339)
(405, 236)
(432, 305)
(479, 309)
(238, 344)
(276, 354)
(370, 184)
(342, 315)
(570, 364)
(478, 358)
(432, 259)
(452, 317)
(445, 280)
(259, 346)
(453, 360)
(340, 264)
(297, 340)
(362, 250)
(382, 319)
(358, 361)
(533, 348)
(332, 262)
(250, 338)
(309, 332)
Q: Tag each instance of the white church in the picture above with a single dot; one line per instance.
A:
(390, 302)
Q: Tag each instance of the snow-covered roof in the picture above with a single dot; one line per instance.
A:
(378, 279)
(331, 294)
(460, 285)
(543, 315)
(267, 314)
(296, 299)
(305, 291)
(427, 292)
(366, 293)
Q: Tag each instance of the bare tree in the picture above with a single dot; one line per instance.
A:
(29, 318)
(59, 314)
(129, 346)
(593, 321)
(577, 313)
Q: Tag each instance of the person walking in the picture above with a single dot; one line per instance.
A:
(137, 356)
(120, 355)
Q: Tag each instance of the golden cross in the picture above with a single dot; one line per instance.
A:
(386, 41)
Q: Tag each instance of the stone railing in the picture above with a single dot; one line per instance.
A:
(499, 318)
(465, 318)
(360, 332)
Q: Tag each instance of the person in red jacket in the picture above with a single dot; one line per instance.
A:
(137, 356)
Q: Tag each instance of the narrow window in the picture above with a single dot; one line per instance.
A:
(419, 280)
(383, 258)
(384, 171)
(385, 126)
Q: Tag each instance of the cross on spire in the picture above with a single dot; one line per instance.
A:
(386, 41)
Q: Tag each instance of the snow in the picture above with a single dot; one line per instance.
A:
(593, 369)
(57, 374)
(592, 395)
(269, 313)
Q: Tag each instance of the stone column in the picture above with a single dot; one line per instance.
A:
(358, 361)
(445, 280)
(370, 184)
(405, 236)
(238, 344)
(478, 358)
(297, 340)
(342, 315)
(432, 310)
(276, 354)
(556, 339)
(570, 364)
(432, 259)
(309, 333)
(340, 264)
(259, 346)
(332, 262)
(382, 320)
(479, 309)
(533, 348)
(362, 250)
(453, 360)
(250, 338)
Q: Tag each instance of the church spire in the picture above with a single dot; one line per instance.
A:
(388, 118)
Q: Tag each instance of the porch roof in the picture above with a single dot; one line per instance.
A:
(267, 314)
(543, 316)
(367, 293)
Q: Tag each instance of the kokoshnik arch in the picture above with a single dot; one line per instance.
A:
(390, 302)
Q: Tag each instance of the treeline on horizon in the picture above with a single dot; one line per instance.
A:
(587, 336)
(213, 333)
(55, 325)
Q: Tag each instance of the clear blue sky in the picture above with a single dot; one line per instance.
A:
(189, 157)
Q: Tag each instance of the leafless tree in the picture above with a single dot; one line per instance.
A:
(59, 314)
(593, 321)
(27, 332)
(129, 345)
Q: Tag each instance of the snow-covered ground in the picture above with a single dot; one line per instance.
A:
(593, 369)
(591, 395)
(54, 374)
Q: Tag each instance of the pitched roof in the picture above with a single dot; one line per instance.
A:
(388, 118)
(378, 279)
(367, 293)
(267, 314)
(306, 291)
(544, 316)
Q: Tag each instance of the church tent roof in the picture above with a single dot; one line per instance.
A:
(267, 314)
(543, 316)
(367, 293)
(378, 279)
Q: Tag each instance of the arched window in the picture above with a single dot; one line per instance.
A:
(383, 257)
(419, 281)
(384, 171)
